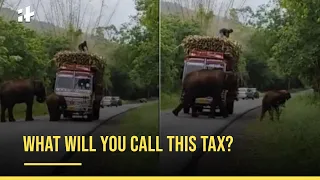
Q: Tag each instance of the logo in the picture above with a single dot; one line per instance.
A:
(26, 16)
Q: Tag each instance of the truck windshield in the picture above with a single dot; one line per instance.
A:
(82, 83)
(64, 82)
(71, 82)
(193, 67)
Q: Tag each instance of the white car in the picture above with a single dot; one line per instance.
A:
(242, 93)
(250, 93)
(106, 101)
(255, 93)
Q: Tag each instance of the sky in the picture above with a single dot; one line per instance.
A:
(113, 11)
(121, 9)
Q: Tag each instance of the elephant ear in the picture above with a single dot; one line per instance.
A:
(38, 85)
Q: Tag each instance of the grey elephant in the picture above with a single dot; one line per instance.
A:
(204, 83)
(272, 100)
(56, 105)
(20, 91)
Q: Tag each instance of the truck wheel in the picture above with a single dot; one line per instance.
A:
(230, 106)
(89, 117)
(67, 115)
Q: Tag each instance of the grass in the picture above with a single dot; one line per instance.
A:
(142, 121)
(169, 101)
(291, 145)
(19, 110)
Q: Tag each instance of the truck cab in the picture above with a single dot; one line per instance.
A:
(75, 83)
(197, 60)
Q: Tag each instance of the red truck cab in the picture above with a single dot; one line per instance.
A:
(75, 83)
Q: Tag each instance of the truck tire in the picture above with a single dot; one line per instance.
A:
(230, 106)
(89, 117)
(67, 114)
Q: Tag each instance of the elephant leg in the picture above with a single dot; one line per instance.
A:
(55, 116)
(182, 104)
(10, 112)
(213, 108)
(223, 107)
(29, 111)
(177, 109)
(263, 112)
(271, 114)
(194, 112)
(51, 114)
(3, 113)
(278, 113)
(191, 103)
(59, 112)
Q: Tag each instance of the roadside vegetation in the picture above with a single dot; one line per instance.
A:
(26, 49)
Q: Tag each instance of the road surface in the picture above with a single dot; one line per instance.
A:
(232, 163)
(12, 155)
(171, 163)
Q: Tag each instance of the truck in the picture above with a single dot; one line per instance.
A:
(205, 59)
(80, 82)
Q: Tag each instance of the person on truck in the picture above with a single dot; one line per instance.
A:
(225, 32)
(82, 46)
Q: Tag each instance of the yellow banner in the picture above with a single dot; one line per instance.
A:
(160, 178)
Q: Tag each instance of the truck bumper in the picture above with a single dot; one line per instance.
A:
(79, 110)
(203, 102)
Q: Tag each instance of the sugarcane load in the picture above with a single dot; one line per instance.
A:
(209, 77)
(79, 79)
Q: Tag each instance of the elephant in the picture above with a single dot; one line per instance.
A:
(20, 91)
(56, 105)
(272, 100)
(204, 83)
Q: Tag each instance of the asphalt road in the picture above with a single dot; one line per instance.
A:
(12, 150)
(171, 163)
(233, 163)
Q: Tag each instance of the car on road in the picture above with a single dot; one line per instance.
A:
(109, 101)
(143, 100)
(242, 93)
(250, 93)
(106, 101)
(255, 93)
(114, 102)
(119, 101)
